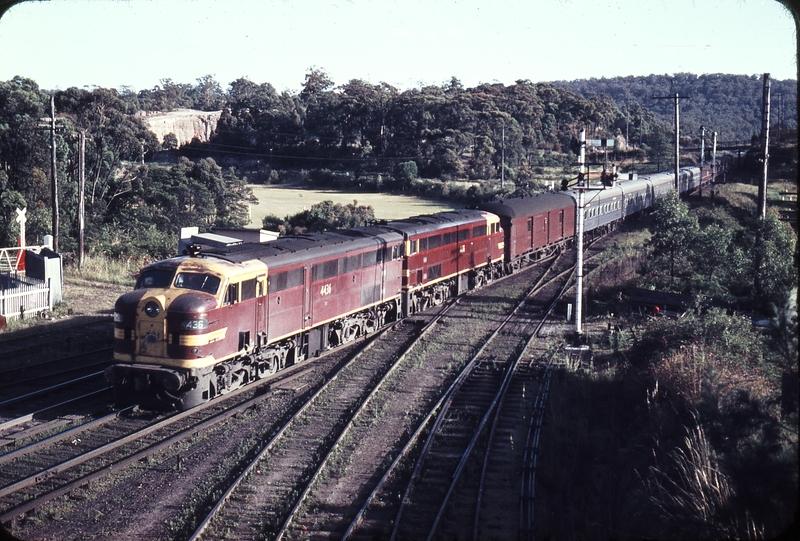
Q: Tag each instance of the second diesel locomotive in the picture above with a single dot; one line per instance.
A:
(205, 323)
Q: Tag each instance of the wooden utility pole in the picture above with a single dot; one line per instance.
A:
(81, 204)
(503, 160)
(677, 97)
(762, 186)
(53, 174)
(702, 156)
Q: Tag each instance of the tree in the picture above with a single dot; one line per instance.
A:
(328, 215)
(170, 142)
(674, 229)
(774, 251)
(783, 328)
(405, 173)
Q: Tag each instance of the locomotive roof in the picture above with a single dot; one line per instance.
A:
(526, 206)
(431, 222)
(286, 250)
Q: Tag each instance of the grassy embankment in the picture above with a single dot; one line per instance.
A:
(681, 429)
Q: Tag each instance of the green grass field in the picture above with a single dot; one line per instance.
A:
(285, 201)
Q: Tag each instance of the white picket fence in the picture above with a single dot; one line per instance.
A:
(22, 297)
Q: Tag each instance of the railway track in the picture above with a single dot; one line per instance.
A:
(38, 346)
(66, 462)
(52, 396)
(272, 487)
(422, 488)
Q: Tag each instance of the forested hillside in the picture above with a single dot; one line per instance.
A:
(380, 136)
(728, 104)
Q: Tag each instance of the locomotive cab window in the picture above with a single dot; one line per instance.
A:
(397, 252)
(197, 281)
(232, 294)
(155, 278)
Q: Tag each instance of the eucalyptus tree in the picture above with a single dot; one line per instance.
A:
(24, 145)
(113, 137)
(673, 231)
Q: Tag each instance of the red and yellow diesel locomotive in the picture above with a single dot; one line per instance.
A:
(205, 323)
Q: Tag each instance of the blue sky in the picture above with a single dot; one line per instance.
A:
(406, 43)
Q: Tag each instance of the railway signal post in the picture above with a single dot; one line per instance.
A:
(581, 188)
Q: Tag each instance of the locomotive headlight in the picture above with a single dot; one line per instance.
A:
(152, 309)
(198, 324)
(118, 318)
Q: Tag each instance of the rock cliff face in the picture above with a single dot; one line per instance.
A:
(186, 124)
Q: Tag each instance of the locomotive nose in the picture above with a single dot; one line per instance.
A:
(151, 323)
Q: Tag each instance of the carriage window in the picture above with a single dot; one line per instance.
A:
(448, 238)
(480, 230)
(463, 234)
(434, 241)
(423, 245)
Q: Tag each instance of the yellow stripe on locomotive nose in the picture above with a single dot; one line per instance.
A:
(202, 339)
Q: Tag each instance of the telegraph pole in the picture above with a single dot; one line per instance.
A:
(702, 157)
(53, 167)
(762, 186)
(713, 164)
(81, 183)
(503, 159)
(677, 97)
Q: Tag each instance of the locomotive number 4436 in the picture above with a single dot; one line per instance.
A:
(325, 290)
